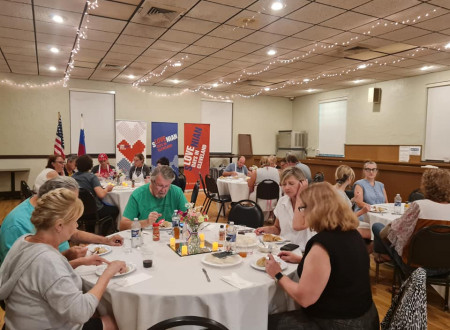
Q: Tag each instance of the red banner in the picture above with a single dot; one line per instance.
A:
(196, 152)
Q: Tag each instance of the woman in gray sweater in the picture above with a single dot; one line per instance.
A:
(38, 284)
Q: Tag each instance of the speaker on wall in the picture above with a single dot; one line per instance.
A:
(374, 95)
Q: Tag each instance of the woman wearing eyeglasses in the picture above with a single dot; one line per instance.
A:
(55, 167)
(368, 191)
(333, 289)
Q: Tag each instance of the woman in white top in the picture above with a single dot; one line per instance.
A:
(55, 167)
(345, 176)
(293, 181)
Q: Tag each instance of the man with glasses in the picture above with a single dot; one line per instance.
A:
(154, 201)
(234, 169)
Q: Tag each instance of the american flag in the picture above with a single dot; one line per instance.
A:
(59, 140)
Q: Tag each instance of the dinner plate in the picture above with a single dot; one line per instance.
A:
(282, 263)
(92, 249)
(229, 261)
(283, 240)
(378, 209)
(130, 268)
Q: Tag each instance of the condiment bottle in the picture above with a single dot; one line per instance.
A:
(156, 232)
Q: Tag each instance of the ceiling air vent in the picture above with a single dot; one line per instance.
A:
(157, 14)
(111, 67)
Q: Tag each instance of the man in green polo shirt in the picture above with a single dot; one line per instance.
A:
(155, 200)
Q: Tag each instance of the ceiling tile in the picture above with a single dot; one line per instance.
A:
(251, 20)
(243, 47)
(92, 44)
(213, 42)
(404, 34)
(235, 3)
(56, 29)
(159, 54)
(228, 54)
(377, 28)
(146, 31)
(432, 39)
(105, 24)
(168, 45)
(416, 14)
(16, 34)
(54, 39)
(76, 6)
(212, 12)
(194, 25)
(383, 8)
(289, 6)
(263, 38)
(230, 32)
(22, 57)
(292, 43)
(126, 49)
(134, 41)
(317, 33)
(16, 23)
(45, 14)
(111, 9)
(348, 21)
(315, 13)
(443, 3)
(23, 67)
(101, 35)
(436, 24)
(286, 27)
(180, 36)
(344, 4)
(16, 9)
(81, 73)
(199, 50)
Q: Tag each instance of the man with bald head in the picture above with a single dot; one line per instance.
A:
(234, 169)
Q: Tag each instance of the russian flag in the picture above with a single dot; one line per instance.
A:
(82, 143)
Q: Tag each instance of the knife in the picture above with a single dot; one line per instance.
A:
(206, 274)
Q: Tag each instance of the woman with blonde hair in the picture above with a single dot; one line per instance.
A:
(293, 181)
(334, 285)
(39, 286)
(344, 176)
(368, 191)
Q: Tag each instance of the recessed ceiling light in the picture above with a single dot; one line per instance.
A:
(131, 76)
(310, 90)
(54, 50)
(176, 81)
(52, 68)
(57, 19)
(447, 46)
(277, 5)
(426, 67)
(306, 80)
(267, 89)
(357, 81)
(271, 52)
(362, 66)
(177, 64)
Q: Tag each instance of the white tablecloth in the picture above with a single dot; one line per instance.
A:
(387, 218)
(178, 287)
(119, 197)
(237, 188)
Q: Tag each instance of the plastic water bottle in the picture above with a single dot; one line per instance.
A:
(135, 233)
(231, 234)
(398, 204)
(176, 224)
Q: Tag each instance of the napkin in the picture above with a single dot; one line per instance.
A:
(237, 281)
(129, 280)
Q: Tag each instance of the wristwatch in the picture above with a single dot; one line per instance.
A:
(278, 276)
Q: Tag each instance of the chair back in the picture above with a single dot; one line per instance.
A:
(203, 184)
(268, 189)
(25, 190)
(89, 218)
(194, 194)
(182, 181)
(430, 247)
(211, 185)
(247, 213)
(319, 177)
(415, 195)
(409, 307)
(188, 320)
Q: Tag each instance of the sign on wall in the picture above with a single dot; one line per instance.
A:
(165, 143)
(130, 140)
(196, 152)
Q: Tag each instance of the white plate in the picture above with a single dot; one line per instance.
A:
(131, 268)
(378, 209)
(91, 249)
(229, 261)
(246, 241)
(283, 240)
(283, 264)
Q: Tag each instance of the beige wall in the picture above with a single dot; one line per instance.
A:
(28, 118)
(398, 119)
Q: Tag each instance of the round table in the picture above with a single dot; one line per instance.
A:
(237, 188)
(178, 287)
(119, 197)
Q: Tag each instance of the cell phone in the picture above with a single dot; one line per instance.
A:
(289, 247)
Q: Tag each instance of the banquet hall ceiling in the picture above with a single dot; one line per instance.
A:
(222, 45)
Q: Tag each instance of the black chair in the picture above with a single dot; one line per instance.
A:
(268, 190)
(25, 191)
(429, 248)
(207, 200)
(213, 191)
(194, 194)
(89, 220)
(247, 213)
(319, 177)
(182, 181)
(415, 196)
(188, 320)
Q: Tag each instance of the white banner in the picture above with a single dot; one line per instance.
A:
(130, 140)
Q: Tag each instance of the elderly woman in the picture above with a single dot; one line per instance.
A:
(90, 182)
(69, 168)
(293, 181)
(367, 190)
(139, 171)
(344, 176)
(334, 285)
(103, 170)
(39, 286)
(55, 167)
(433, 210)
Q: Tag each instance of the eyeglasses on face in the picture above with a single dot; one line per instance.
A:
(370, 169)
(302, 208)
(60, 162)
(161, 186)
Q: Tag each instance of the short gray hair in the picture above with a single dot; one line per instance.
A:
(166, 172)
(58, 182)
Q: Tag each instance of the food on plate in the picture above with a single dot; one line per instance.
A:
(99, 250)
(221, 261)
(271, 238)
(165, 224)
(378, 209)
(261, 262)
